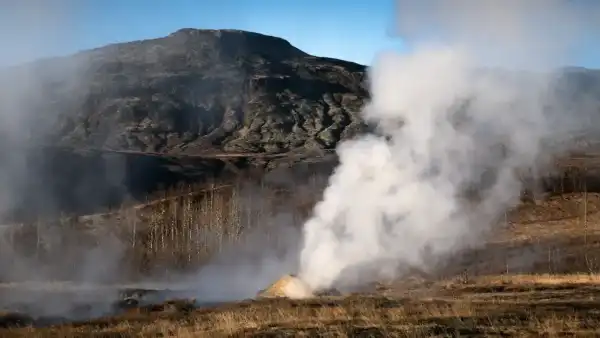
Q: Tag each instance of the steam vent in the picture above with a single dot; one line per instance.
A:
(288, 286)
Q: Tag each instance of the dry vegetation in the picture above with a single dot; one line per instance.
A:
(539, 275)
(490, 306)
(177, 229)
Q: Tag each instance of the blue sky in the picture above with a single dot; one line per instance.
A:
(336, 28)
(348, 29)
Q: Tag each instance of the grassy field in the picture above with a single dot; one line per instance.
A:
(518, 305)
(538, 276)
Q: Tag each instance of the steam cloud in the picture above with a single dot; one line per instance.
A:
(39, 28)
(446, 126)
(397, 198)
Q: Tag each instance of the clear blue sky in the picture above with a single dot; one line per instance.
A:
(351, 30)
(348, 29)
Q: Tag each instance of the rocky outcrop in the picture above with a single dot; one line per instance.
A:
(117, 122)
(195, 92)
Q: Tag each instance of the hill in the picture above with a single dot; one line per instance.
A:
(117, 122)
(198, 92)
(193, 92)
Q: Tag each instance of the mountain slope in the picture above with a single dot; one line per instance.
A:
(156, 108)
(195, 91)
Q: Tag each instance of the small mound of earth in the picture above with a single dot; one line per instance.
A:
(290, 286)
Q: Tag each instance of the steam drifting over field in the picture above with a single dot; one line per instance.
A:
(446, 126)
(430, 182)
(24, 125)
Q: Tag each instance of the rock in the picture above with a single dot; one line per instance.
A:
(194, 91)
(99, 127)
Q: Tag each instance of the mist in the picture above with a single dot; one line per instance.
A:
(244, 267)
(473, 99)
(35, 275)
(270, 241)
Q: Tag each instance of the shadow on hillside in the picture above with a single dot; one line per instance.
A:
(50, 182)
(568, 181)
(53, 182)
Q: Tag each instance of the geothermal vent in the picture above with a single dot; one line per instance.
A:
(288, 286)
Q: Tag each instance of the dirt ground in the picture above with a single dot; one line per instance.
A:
(538, 276)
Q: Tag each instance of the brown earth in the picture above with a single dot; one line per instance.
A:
(537, 276)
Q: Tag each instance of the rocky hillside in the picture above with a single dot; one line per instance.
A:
(83, 132)
(87, 131)
(198, 92)
(195, 92)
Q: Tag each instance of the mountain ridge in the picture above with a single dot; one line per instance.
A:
(198, 90)
(115, 123)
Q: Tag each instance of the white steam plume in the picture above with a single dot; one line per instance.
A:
(445, 126)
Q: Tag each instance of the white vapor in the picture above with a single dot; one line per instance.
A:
(445, 127)
(59, 255)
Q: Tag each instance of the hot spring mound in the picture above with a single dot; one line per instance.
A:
(290, 286)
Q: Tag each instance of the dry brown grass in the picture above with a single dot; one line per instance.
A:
(184, 227)
(538, 276)
(538, 279)
(490, 305)
(460, 310)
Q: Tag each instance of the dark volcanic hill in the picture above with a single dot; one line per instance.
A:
(86, 131)
(193, 92)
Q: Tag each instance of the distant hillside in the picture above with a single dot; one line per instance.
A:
(205, 91)
(195, 91)
(148, 104)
